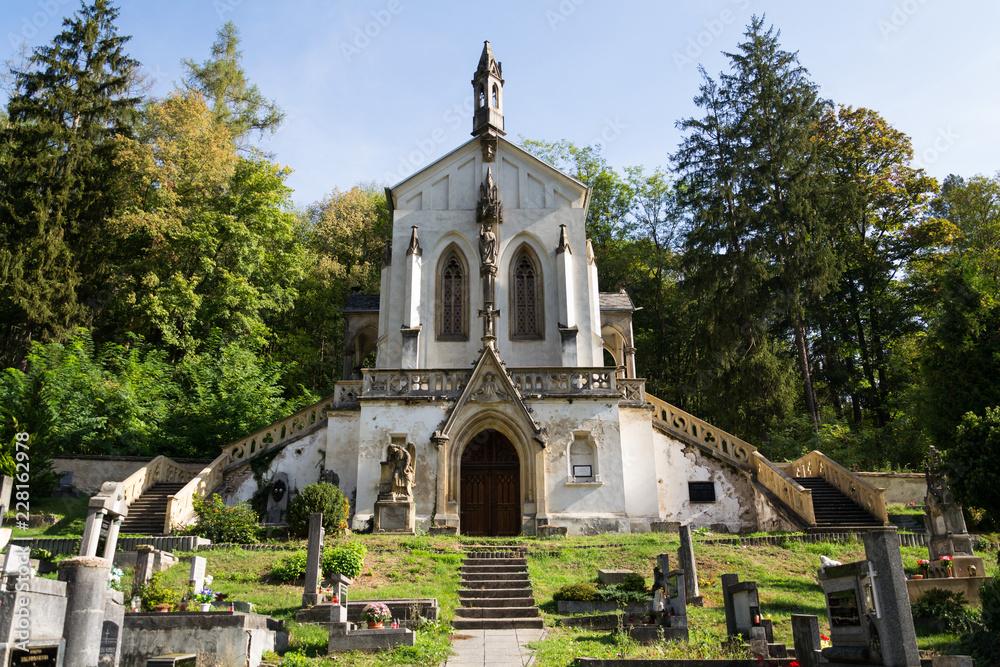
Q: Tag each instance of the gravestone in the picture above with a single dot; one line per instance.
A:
(806, 636)
(743, 617)
(143, 567)
(687, 563)
(17, 561)
(196, 580)
(32, 611)
(868, 607)
(660, 571)
(277, 499)
(6, 487)
(314, 560)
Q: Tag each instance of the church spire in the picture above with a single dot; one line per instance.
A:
(487, 86)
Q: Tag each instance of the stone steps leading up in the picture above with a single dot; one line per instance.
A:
(495, 591)
(833, 509)
(148, 512)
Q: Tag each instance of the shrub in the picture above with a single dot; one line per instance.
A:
(616, 593)
(154, 592)
(632, 582)
(948, 607)
(581, 592)
(325, 498)
(346, 559)
(290, 567)
(222, 523)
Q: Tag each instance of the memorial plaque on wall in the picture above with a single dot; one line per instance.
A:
(37, 656)
(109, 643)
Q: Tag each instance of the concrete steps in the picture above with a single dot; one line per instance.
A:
(835, 510)
(148, 512)
(495, 591)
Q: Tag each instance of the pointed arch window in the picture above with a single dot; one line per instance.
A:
(481, 98)
(452, 312)
(526, 297)
(496, 96)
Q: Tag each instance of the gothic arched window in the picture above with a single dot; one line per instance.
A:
(526, 302)
(496, 96)
(452, 297)
(481, 98)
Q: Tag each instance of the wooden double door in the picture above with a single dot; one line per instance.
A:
(490, 486)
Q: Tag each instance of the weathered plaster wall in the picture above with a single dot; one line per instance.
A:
(342, 431)
(678, 463)
(302, 461)
(586, 509)
(899, 487)
(379, 420)
(638, 454)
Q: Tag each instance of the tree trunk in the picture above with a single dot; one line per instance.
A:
(803, 355)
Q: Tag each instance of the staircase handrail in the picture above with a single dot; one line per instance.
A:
(866, 494)
(180, 506)
(280, 431)
(794, 495)
(679, 422)
(160, 469)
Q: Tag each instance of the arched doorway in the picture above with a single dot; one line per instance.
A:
(490, 486)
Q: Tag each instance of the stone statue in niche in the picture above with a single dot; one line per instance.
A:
(488, 245)
(398, 471)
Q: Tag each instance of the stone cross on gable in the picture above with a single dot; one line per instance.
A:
(488, 313)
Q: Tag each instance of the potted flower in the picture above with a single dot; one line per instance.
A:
(925, 567)
(946, 561)
(204, 598)
(376, 614)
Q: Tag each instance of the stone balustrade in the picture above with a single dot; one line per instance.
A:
(346, 394)
(280, 431)
(160, 469)
(868, 496)
(631, 391)
(449, 383)
(793, 494)
(431, 382)
(727, 446)
(564, 381)
(180, 506)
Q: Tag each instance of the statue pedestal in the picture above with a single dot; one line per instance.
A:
(946, 532)
(395, 516)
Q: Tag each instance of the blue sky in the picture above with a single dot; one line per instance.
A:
(375, 90)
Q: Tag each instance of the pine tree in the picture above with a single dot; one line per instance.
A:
(60, 181)
(757, 250)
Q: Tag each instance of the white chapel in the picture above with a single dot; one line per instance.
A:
(504, 396)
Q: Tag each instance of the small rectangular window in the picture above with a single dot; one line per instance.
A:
(701, 492)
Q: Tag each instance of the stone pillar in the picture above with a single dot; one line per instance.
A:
(91, 534)
(86, 587)
(899, 639)
(143, 567)
(348, 364)
(687, 563)
(314, 560)
(111, 541)
(729, 580)
(805, 634)
(441, 485)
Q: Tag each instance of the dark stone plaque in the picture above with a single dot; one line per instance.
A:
(36, 656)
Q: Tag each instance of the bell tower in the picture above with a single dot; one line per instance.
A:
(487, 86)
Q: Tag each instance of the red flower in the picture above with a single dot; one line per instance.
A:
(824, 638)
(793, 663)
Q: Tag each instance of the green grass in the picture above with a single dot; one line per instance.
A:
(71, 513)
(899, 508)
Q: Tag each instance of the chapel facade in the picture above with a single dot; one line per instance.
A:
(504, 394)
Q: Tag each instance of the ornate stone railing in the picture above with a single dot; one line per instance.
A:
(180, 506)
(869, 496)
(631, 391)
(346, 394)
(793, 494)
(278, 432)
(727, 446)
(431, 382)
(563, 381)
(160, 469)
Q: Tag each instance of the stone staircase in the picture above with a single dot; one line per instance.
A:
(495, 591)
(148, 512)
(833, 509)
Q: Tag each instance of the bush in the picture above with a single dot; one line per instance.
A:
(221, 523)
(617, 593)
(948, 607)
(290, 567)
(325, 498)
(346, 559)
(154, 592)
(632, 582)
(580, 592)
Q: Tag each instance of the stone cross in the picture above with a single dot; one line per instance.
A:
(314, 560)
(686, 557)
(488, 313)
(196, 580)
